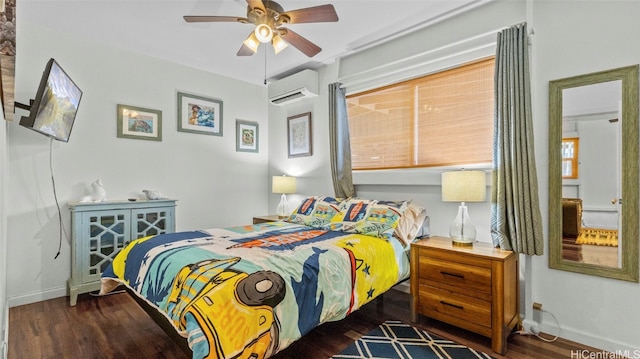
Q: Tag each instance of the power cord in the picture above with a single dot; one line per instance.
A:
(536, 332)
(557, 324)
(55, 196)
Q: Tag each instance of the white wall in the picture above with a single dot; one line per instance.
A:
(214, 184)
(572, 39)
(313, 173)
(428, 50)
(569, 39)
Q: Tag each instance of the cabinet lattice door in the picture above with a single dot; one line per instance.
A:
(106, 236)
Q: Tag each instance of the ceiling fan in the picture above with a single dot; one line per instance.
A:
(269, 17)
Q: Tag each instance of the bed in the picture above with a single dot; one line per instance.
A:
(250, 291)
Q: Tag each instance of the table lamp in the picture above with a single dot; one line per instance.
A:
(463, 186)
(283, 184)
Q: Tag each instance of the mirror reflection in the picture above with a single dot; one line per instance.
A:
(591, 159)
(593, 173)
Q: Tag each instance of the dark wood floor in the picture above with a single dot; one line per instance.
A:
(116, 327)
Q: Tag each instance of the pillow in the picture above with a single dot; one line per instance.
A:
(368, 217)
(352, 210)
(410, 223)
(315, 211)
(425, 229)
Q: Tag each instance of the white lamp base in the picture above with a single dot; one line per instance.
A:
(282, 209)
(462, 231)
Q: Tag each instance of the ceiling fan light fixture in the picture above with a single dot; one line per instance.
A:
(278, 44)
(263, 33)
(252, 42)
(268, 18)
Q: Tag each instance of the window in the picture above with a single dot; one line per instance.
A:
(570, 148)
(436, 120)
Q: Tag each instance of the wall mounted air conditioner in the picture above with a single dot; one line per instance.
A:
(299, 86)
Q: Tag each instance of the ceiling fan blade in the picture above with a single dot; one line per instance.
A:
(256, 4)
(189, 18)
(322, 13)
(245, 51)
(307, 47)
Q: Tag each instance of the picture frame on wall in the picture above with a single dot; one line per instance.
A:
(139, 123)
(199, 114)
(247, 136)
(299, 135)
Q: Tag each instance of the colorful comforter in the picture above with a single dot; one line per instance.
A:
(250, 291)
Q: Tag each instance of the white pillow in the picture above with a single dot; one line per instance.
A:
(411, 223)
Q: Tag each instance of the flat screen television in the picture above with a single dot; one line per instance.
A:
(54, 108)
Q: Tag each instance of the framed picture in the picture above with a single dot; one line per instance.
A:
(197, 114)
(139, 123)
(299, 135)
(246, 136)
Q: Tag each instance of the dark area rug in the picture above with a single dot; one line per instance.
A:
(394, 339)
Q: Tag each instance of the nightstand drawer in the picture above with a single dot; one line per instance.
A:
(443, 302)
(452, 275)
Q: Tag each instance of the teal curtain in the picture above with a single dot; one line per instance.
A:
(515, 210)
(340, 145)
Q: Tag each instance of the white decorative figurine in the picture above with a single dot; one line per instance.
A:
(98, 193)
(153, 194)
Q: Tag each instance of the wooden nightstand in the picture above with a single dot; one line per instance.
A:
(267, 218)
(475, 288)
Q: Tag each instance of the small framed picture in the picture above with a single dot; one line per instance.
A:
(246, 136)
(300, 136)
(139, 123)
(198, 114)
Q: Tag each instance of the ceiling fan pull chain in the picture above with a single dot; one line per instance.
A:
(265, 66)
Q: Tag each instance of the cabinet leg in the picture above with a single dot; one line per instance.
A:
(73, 297)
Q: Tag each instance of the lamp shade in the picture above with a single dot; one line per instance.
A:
(252, 42)
(283, 184)
(464, 186)
(278, 44)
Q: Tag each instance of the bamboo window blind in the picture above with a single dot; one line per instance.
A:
(436, 120)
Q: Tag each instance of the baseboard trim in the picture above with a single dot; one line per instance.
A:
(606, 344)
(35, 297)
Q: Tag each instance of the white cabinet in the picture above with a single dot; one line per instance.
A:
(100, 230)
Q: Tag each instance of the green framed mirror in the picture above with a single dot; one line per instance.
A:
(593, 218)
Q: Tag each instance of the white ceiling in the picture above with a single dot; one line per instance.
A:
(156, 28)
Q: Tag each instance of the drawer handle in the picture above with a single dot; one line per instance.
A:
(452, 274)
(452, 305)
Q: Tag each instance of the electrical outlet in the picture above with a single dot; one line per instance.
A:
(537, 306)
